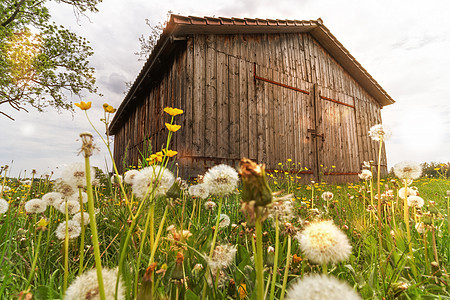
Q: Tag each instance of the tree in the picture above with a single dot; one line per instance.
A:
(42, 63)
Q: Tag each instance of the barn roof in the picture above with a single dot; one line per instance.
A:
(179, 27)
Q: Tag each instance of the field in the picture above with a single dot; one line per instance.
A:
(225, 237)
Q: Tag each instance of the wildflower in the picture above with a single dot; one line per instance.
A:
(77, 218)
(170, 153)
(173, 127)
(281, 210)
(420, 227)
(173, 111)
(108, 108)
(199, 191)
(85, 286)
(35, 206)
(4, 205)
(27, 182)
(410, 192)
(221, 180)
(4, 188)
(75, 175)
(320, 287)
(83, 105)
(210, 205)
(242, 290)
(74, 228)
(224, 221)
(378, 132)
(327, 196)
(72, 207)
(52, 197)
(296, 259)
(88, 147)
(323, 242)
(157, 177)
(130, 175)
(222, 257)
(76, 197)
(365, 175)
(407, 170)
(415, 201)
(158, 156)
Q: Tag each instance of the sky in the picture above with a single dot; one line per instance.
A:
(404, 45)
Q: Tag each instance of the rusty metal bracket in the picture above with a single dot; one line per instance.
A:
(315, 134)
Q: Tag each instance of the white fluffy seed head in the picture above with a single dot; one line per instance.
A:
(221, 180)
(415, 201)
(327, 196)
(77, 218)
(321, 287)
(156, 177)
(365, 175)
(323, 242)
(379, 131)
(75, 175)
(52, 198)
(129, 176)
(223, 256)
(224, 221)
(407, 170)
(409, 192)
(199, 191)
(85, 286)
(73, 227)
(4, 205)
(35, 206)
(72, 207)
(76, 197)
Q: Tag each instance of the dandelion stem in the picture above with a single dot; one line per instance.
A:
(275, 262)
(66, 250)
(380, 240)
(286, 268)
(33, 265)
(80, 271)
(93, 223)
(259, 259)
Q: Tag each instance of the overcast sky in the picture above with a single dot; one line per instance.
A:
(404, 45)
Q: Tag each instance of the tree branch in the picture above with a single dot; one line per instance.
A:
(8, 116)
(14, 15)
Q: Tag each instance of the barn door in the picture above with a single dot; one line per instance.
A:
(335, 136)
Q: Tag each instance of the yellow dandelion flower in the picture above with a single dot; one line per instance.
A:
(173, 111)
(170, 153)
(83, 105)
(333, 167)
(242, 289)
(173, 127)
(289, 160)
(108, 108)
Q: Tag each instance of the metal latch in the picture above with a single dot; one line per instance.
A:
(315, 134)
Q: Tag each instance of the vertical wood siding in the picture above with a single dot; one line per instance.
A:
(229, 115)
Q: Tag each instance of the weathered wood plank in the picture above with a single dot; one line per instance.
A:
(210, 118)
(233, 97)
(199, 101)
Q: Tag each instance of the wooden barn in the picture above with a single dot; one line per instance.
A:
(269, 90)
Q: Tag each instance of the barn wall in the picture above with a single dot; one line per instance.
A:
(229, 115)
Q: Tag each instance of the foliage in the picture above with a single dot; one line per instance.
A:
(40, 62)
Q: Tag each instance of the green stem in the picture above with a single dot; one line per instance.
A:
(66, 250)
(158, 236)
(141, 247)
(80, 271)
(259, 260)
(33, 265)
(213, 243)
(93, 223)
(325, 269)
(286, 269)
(275, 262)
(380, 240)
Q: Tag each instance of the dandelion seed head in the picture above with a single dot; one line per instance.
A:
(222, 257)
(409, 191)
(72, 207)
(4, 205)
(129, 176)
(224, 221)
(35, 206)
(77, 218)
(281, 210)
(154, 176)
(323, 242)
(75, 175)
(85, 286)
(420, 227)
(380, 131)
(210, 205)
(199, 191)
(365, 175)
(407, 170)
(52, 198)
(321, 287)
(415, 201)
(116, 179)
(221, 179)
(73, 227)
(76, 197)
(327, 196)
